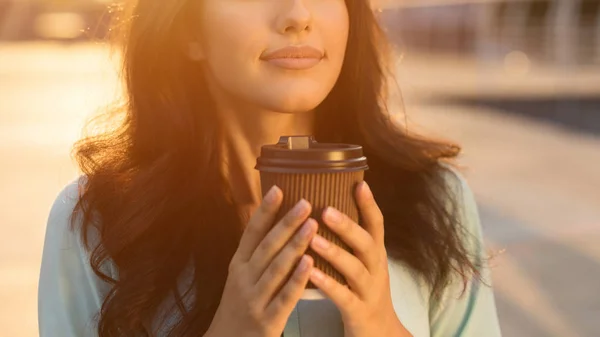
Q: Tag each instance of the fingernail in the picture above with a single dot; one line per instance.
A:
(367, 190)
(317, 275)
(332, 215)
(306, 228)
(304, 263)
(301, 208)
(320, 242)
(271, 196)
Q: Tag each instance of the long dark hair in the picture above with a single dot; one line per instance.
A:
(156, 196)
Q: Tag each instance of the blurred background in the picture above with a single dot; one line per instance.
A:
(517, 83)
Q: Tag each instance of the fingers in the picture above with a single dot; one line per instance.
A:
(352, 268)
(291, 292)
(277, 237)
(371, 214)
(340, 295)
(361, 242)
(259, 224)
(279, 268)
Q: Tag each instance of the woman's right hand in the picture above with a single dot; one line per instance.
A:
(258, 297)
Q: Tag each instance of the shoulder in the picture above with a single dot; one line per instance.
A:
(462, 202)
(459, 311)
(459, 200)
(62, 209)
(470, 310)
(64, 240)
(411, 293)
(62, 230)
(69, 291)
(64, 226)
(457, 185)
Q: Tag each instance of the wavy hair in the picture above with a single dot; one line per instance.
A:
(162, 209)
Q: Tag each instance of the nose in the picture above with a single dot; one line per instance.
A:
(295, 17)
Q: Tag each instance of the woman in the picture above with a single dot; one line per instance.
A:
(167, 234)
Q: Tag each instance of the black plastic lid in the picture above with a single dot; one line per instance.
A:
(303, 154)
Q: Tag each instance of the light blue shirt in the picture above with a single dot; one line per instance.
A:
(71, 295)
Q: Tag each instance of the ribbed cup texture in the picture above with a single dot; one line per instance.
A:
(335, 189)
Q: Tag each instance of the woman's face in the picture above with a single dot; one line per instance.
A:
(279, 55)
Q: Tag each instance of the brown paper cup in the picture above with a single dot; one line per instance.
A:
(323, 174)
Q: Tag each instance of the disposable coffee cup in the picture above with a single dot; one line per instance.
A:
(323, 174)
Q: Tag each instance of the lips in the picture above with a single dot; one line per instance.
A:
(294, 57)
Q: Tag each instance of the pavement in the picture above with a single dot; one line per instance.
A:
(536, 181)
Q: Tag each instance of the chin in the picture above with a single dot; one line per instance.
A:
(287, 106)
(294, 102)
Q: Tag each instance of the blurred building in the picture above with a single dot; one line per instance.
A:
(53, 19)
(554, 31)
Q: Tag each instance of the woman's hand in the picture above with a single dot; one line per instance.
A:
(366, 306)
(258, 297)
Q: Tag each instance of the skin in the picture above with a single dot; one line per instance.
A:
(366, 306)
(259, 102)
(235, 33)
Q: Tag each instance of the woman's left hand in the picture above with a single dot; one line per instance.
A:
(366, 306)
